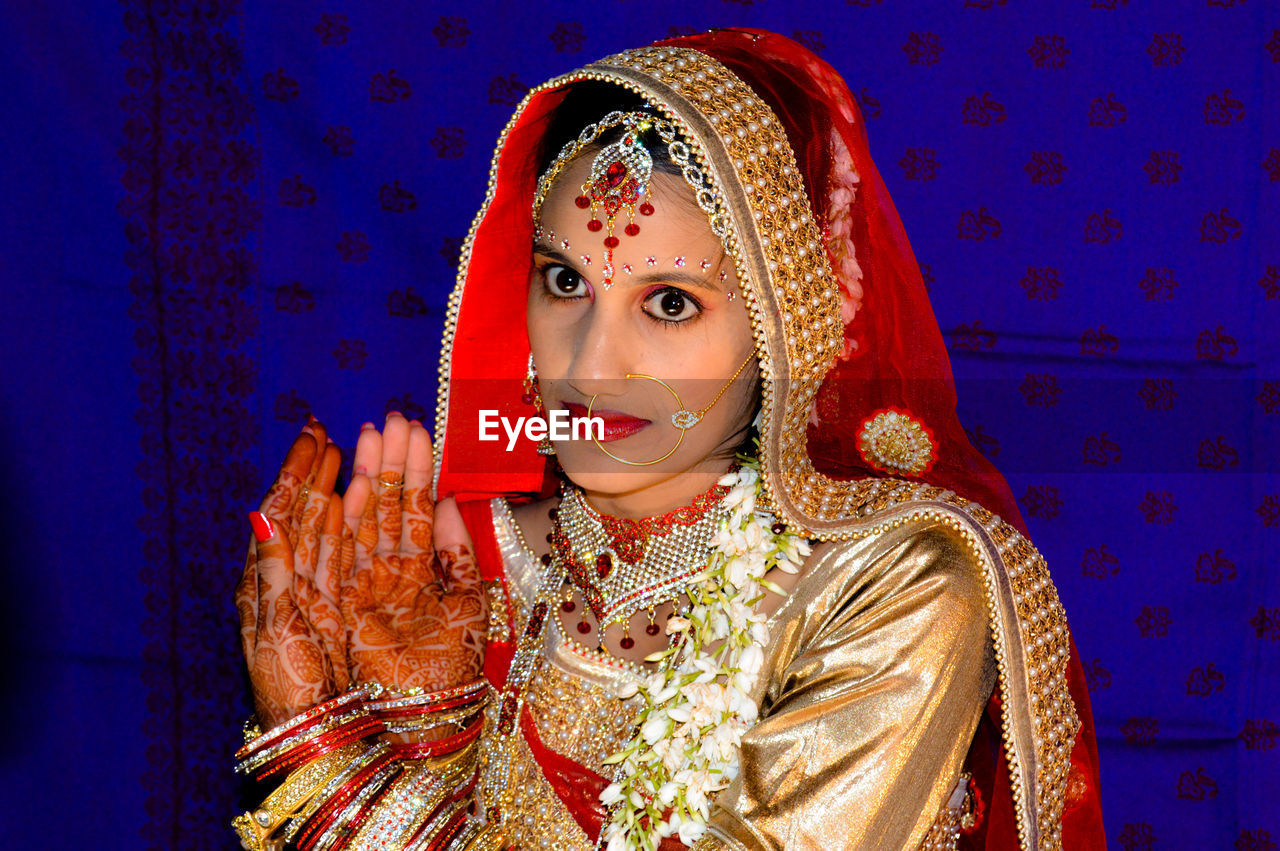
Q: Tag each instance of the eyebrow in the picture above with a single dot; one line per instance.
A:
(652, 278)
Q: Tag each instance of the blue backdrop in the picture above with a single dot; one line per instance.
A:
(221, 216)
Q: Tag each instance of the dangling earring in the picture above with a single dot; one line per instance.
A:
(532, 396)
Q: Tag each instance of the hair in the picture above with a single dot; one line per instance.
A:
(586, 103)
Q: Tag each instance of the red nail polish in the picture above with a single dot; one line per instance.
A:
(262, 529)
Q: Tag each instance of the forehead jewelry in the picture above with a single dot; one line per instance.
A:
(620, 175)
(683, 419)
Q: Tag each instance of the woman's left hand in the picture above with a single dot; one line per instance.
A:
(413, 603)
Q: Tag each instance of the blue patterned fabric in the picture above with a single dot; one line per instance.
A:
(222, 216)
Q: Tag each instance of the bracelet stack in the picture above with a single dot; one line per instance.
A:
(433, 724)
(372, 768)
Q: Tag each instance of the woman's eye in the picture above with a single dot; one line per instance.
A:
(564, 282)
(671, 305)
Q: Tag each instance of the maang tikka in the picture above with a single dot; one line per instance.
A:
(620, 175)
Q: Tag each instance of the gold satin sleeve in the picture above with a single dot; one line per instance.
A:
(881, 663)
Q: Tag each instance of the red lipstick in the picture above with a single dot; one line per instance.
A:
(617, 425)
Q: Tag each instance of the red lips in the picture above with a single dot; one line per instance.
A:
(617, 425)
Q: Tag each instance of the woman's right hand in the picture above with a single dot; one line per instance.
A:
(290, 623)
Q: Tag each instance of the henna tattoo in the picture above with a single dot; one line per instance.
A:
(307, 529)
(408, 629)
(246, 598)
(389, 518)
(278, 504)
(420, 532)
(367, 535)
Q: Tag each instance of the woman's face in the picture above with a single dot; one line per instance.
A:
(673, 312)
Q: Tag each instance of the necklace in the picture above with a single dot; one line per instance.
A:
(622, 567)
(710, 668)
(665, 777)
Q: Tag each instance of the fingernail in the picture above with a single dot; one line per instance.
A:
(366, 426)
(262, 529)
(360, 471)
(311, 419)
(415, 422)
(391, 414)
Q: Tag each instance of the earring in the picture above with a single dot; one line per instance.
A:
(533, 396)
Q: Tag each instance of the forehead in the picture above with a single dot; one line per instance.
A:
(676, 216)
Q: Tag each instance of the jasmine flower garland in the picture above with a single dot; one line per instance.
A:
(697, 705)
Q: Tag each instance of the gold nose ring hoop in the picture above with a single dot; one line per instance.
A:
(683, 418)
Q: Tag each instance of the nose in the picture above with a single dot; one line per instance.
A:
(602, 350)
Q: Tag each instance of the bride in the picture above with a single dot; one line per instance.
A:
(774, 600)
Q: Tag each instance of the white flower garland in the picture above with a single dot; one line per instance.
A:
(698, 704)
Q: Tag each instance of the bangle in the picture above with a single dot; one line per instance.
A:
(412, 801)
(264, 755)
(354, 731)
(297, 722)
(255, 828)
(437, 701)
(440, 832)
(443, 746)
(457, 707)
(443, 827)
(328, 797)
(350, 820)
(458, 719)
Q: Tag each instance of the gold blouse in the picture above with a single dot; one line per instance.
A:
(878, 667)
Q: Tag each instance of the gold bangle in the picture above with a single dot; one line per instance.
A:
(255, 828)
(412, 799)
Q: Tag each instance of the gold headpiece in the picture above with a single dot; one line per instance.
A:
(620, 174)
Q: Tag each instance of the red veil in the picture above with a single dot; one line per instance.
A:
(893, 357)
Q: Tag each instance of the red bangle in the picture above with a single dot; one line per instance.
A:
(300, 722)
(438, 747)
(445, 835)
(329, 812)
(357, 818)
(346, 734)
(433, 702)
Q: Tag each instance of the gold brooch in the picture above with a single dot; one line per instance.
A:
(897, 442)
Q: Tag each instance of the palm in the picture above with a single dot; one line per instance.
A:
(408, 630)
(372, 586)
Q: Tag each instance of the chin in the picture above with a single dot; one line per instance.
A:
(590, 469)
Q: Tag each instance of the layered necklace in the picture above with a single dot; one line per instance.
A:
(716, 552)
(623, 567)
